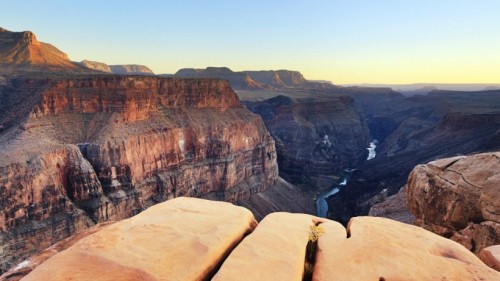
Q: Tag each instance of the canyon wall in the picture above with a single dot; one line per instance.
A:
(97, 148)
(316, 139)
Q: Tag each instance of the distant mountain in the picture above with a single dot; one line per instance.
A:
(255, 80)
(118, 69)
(131, 69)
(22, 49)
(238, 80)
(99, 66)
(421, 88)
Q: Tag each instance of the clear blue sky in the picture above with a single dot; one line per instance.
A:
(375, 41)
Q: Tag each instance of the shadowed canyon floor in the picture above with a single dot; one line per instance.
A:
(194, 239)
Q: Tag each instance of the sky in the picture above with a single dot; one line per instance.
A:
(346, 42)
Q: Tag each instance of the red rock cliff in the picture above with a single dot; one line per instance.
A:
(105, 148)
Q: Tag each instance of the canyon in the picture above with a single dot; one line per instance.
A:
(83, 150)
(333, 128)
(83, 145)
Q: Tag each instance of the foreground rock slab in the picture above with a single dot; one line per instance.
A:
(274, 251)
(382, 249)
(182, 239)
(194, 239)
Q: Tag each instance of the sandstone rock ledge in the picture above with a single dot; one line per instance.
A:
(184, 239)
(188, 239)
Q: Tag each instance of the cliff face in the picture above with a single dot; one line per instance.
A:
(99, 148)
(315, 138)
(458, 198)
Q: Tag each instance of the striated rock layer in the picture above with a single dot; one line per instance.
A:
(459, 198)
(92, 149)
(189, 239)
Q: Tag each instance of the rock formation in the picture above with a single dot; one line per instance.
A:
(22, 49)
(187, 239)
(458, 197)
(97, 148)
(95, 65)
(184, 239)
(382, 249)
(278, 78)
(238, 80)
(131, 69)
(255, 80)
(274, 251)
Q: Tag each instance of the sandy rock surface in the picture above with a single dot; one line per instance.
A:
(182, 239)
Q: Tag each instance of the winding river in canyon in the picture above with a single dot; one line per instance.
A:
(321, 204)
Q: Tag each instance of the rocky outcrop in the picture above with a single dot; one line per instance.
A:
(184, 239)
(23, 49)
(316, 139)
(458, 198)
(92, 149)
(131, 69)
(382, 249)
(189, 239)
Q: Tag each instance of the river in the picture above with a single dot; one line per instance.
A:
(371, 150)
(321, 204)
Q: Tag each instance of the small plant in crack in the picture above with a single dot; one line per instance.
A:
(314, 233)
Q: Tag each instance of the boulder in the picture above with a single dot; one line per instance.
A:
(458, 197)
